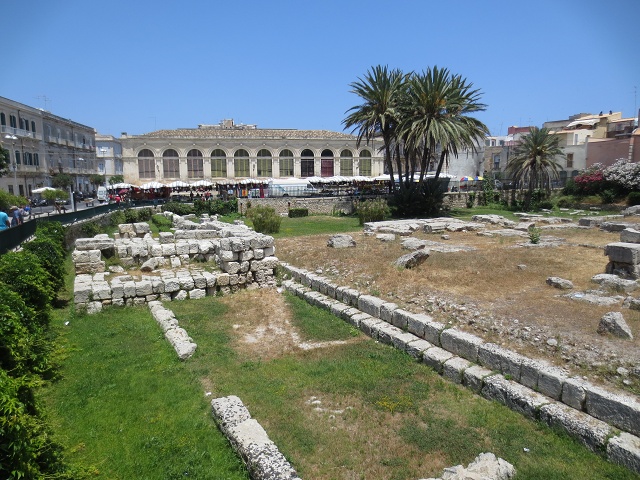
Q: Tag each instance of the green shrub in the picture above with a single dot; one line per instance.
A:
(633, 199)
(22, 273)
(265, 219)
(565, 202)
(608, 196)
(117, 218)
(53, 230)
(17, 353)
(372, 210)
(178, 208)
(570, 188)
(90, 229)
(534, 235)
(144, 214)
(471, 199)
(214, 207)
(163, 223)
(131, 215)
(545, 204)
(51, 257)
(298, 212)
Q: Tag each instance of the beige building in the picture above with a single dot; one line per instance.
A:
(229, 151)
(41, 144)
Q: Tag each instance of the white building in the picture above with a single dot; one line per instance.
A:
(229, 151)
(41, 145)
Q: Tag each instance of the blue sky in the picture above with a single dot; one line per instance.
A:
(140, 65)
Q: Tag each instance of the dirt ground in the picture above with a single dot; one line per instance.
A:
(498, 291)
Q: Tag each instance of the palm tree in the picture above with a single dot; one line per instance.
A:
(534, 162)
(380, 90)
(435, 118)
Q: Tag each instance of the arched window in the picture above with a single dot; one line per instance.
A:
(146, 164)
(346, 163)
(195, 162)
(286, 163)
(241, 163)
(365, 163)
(264, 163)
(170, 164)
(326, 163)
(306, 163)
(218, 163)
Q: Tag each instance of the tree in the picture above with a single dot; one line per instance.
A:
(534, 164)
(436, 122)
(116, 179)
(62, 181)
(96, 179)
(5, 161)
(380, 90)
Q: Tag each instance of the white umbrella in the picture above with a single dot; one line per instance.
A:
(201, 183)
(119, 186)
(150, 185)
(42, 190)
(178, 183)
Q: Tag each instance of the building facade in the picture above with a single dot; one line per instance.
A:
(109, 156)
(41, 145)
(228, 151)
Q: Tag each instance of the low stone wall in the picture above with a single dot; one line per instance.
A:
(531, 387)
(282, 205)
(247, 437)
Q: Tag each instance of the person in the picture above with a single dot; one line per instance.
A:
(16, 216)
(4, 220)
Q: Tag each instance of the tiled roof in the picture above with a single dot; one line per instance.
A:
(256, 133)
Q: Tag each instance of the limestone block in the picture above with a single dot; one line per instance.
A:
(615, 283)
(402, 339)
(620, 411)
(370, 304)
(166, 237)
(435, 358)
(473, 377)
(386, 312)
(461, 343)
(589, 431)
(416, 348)
(367, 324)
(231, 267)
(210, 278)
(175, 261)
(229, 412)
(86, 256)
(101, 291)
(143, 288)
(117, 302)
(168, 249)
(311, 297)
(82, 293)
(350, 297)
(432, 330)
(337, 308)
(205, 247)
(245, 266)
(630, 235)
(550, 381)
(194, 247)
(269, 251)
(233, 280)
(511, 364)
(574, 392)
(399, 318)
(141, 229)
(129, 289)
(117, 290)
(339, 293)
(454, 368)
(262, 241)
(155, 250)
(94, 307)
(386, 333)
(490, 355)
(181, 342)
(197, 293)
(625, 450)
(179, 295)
(223, 279)
(171, 285)
(228, 255)
(182, 248)
(198, 280)
(101, 243)
(258, 253)
(515, 396)
(623, 252)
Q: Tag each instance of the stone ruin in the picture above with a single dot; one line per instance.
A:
(624, 256)
(175, 266)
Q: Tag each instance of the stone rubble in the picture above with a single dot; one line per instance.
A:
(613, 323)
(486, 466)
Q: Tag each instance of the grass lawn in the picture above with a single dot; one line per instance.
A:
(356, 409)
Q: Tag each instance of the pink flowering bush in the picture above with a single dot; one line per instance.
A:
(591, 181)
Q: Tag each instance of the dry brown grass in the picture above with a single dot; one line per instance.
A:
(489, 283)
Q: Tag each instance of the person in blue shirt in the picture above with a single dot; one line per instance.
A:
(4, 220)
